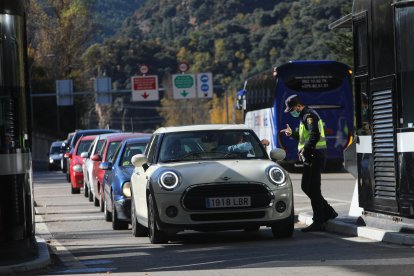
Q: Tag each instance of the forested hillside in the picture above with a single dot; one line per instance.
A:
(110, 14)
(233, 39)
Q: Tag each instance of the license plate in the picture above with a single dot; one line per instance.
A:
(226, 202)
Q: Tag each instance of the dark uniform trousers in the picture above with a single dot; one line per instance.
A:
(311, 186)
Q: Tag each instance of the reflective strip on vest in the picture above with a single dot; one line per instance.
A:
(304, 136)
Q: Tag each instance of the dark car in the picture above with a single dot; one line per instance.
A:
(78, 134)
(63, 164)
(56, 151)
(117, 193)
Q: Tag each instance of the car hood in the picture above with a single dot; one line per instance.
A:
(222, 170)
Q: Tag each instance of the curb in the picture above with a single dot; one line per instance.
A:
(41, 261)
(347, 226)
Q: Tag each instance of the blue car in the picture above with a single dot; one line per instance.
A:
(117, 182)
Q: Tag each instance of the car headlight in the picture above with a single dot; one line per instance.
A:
(276, 175)
(169, 180)
(50, 160)
(77, 168)
(126, 189)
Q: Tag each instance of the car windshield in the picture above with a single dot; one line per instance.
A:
(131, 150)
(212, 144)
(83, 146)
(56, 150)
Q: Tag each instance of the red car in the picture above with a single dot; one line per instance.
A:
(110, 146)
(76, 162)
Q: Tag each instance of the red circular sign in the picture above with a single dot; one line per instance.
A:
(183, 66)
(143, 69)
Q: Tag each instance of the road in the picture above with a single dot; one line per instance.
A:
(83, 243)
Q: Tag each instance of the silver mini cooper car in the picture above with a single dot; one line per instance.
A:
(209, 177)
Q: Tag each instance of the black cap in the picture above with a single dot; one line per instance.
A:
(290, 102)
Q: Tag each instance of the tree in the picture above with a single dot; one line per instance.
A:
(60, 32)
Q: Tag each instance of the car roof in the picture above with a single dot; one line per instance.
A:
(137, 140)
(96, 131)
(125, 135)
(57, 143)
(87, 137)
(202, 127)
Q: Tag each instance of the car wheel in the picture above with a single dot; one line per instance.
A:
(284, 228)
(86, 191)
(116, 223)
(107, 214)
(96, 202)
(155, 235)
(75, 190)
(90, 196)
(137, 229)
(101, 203)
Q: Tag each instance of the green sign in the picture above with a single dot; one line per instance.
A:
(184, 81)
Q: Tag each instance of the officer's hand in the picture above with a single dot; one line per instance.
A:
(287, 130)
(265, 142)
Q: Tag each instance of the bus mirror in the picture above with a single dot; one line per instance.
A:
(277, 154)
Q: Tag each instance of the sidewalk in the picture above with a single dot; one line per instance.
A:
(351, 226)
(28, 263)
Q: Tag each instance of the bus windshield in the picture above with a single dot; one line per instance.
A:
(312, 77)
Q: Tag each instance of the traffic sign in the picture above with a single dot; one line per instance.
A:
(184, 86)
(204, 85)
(64, 92)
(183, 67)
(143, 69)
(103, 87)
(145, 88)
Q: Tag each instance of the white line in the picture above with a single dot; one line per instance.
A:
(327, 198)
(177, 266)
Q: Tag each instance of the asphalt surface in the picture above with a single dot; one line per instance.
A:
(352, 226)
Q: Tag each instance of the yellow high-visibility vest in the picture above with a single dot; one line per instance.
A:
(304, 136)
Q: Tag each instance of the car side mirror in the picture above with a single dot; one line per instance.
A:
(139, 160)
(96, 157)
(106, 166)
(277, 154)
(68, 155)
(84, 154)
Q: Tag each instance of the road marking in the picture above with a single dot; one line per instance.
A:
(327, 198)
(188, 265)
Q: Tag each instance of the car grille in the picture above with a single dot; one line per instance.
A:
(195, 196)
(228, 216)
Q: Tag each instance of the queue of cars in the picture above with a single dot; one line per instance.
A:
(187, 178)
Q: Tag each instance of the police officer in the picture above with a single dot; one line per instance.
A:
(311, 147)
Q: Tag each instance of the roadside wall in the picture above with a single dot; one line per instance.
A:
(40, 148)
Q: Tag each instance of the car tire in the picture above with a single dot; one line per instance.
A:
(107, 214)
(285, 227)
(116, 223)
(86, 191)
(137, 229)
(95, 202)
(156, 236)
(90, 196)
(75, 190)
(101, 203)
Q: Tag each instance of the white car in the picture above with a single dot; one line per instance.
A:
(192, 177)
(95, 148)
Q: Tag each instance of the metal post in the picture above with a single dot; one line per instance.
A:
(227, 106)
